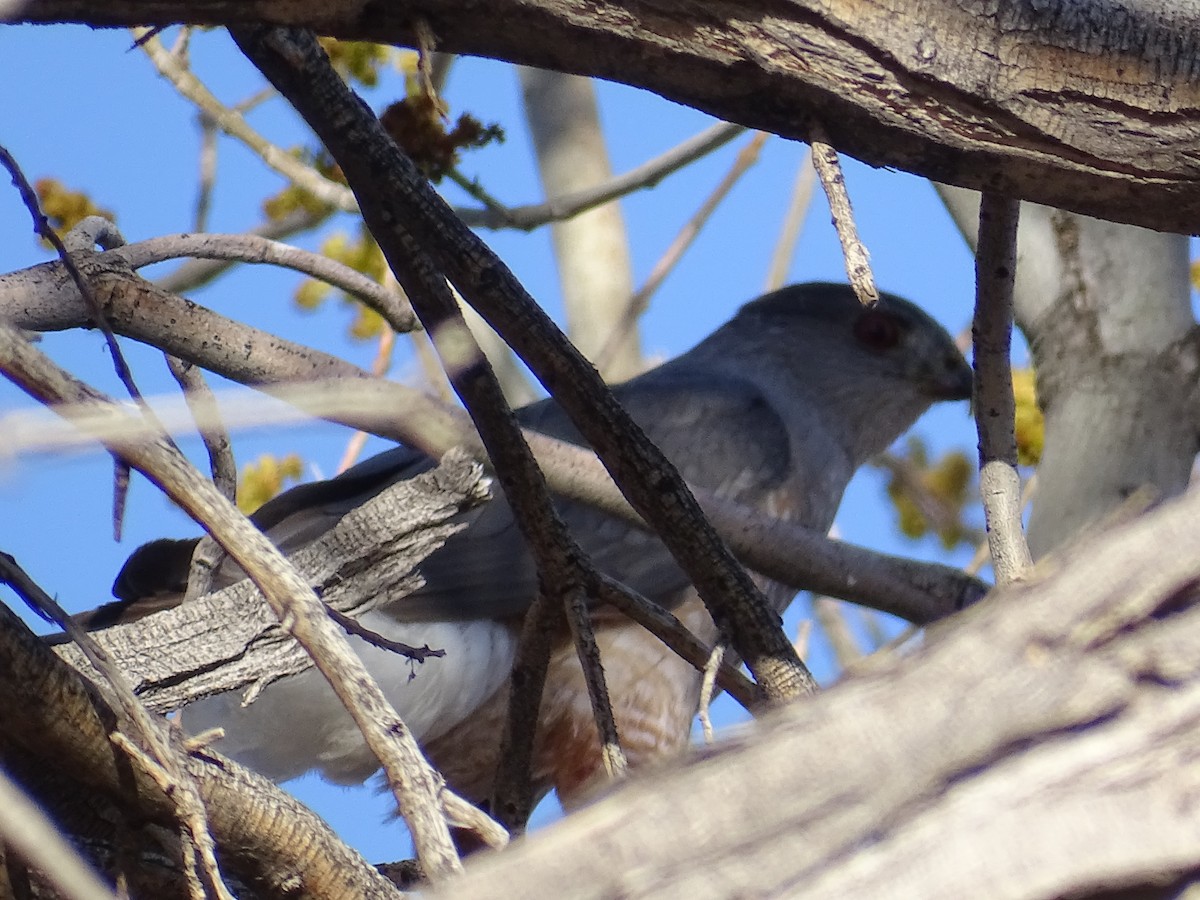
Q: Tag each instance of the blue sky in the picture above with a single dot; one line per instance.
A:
(82, 107)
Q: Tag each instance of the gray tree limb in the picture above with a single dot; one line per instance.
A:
(1107, 312)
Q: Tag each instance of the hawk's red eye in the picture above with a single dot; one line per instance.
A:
(877, 330)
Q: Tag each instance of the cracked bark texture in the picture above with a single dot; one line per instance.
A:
(1041, 745)
(1084, 105)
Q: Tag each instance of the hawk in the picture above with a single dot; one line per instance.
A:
(775, 410)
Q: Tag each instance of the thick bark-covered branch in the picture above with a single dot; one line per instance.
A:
(1036, 748)
(55, 741)
(1090, 106)
(230, 639)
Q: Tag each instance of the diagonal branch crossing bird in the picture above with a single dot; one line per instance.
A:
(775, 410)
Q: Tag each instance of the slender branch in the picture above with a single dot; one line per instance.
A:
(235, 125)
(995, 408)
(591, 250)
(379, 368)
(203, 404)
(646, 175)
(251, 248)
(858, 266)
(941, 515)
(207, 177)
(580, 622)
(512, 791)
(668, 629)
(707, 686)
(41, 226)
(356, 628)
(831, 617)
(195, 273)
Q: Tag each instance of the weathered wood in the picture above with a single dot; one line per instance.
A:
(1084, 105)
(1041, 746)
(230, 639)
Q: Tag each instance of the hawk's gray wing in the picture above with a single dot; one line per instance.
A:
(719, 431)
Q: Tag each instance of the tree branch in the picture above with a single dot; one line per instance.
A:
(1090, 107)
(1057, 776)
(392, 191)
(995, 408)
(56, 717)
(40, 299)
(297, 607)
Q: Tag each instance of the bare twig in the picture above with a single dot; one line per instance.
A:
(200, 399)
(707, 686)
(793, 223)
(167, 783)
(356, 628)
(591, 250)
(379, 368)
(426, 45)
(648, 174)
(999, 481)
(858, 266)
(208, 170)
(668, 629)
(431, 370)
(803, 634)
(942, 516)
(512, 794)
(580, 622)
(234, 124)
(640, 301)
(41, 227)
(28, 832)
(831, 617)
(518, 387)
(255, 249)
(466, 815)
(196, 273)
(203, 404)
